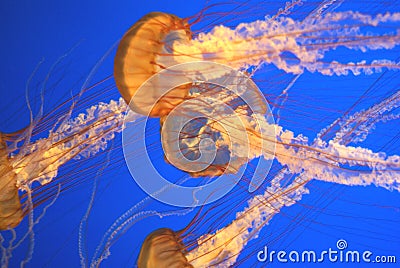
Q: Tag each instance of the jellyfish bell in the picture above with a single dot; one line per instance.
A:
(214, 133)
(149, 41)
(11, 213)
(162, 248)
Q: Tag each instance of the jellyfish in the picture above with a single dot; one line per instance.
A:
(285, 47)
(161, 249)
(147, 40)
(11, 211)
(31, 161)
(28, 176)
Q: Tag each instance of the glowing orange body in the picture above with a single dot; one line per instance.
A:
(161, 249)
(10, 206)
(135, 60)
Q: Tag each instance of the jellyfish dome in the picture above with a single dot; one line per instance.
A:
(148, 41)
(162, 249)
(11, 212)
(214, 133)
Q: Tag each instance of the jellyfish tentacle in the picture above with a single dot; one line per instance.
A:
(82, 243)
(262, 208)
(83, 136)
(250, 44)
(79, 137)
(31, 224)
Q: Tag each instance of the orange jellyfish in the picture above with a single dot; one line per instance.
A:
(136, 60)
(10, 211)
(162, 249)
(31, 159)
(39, 161)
